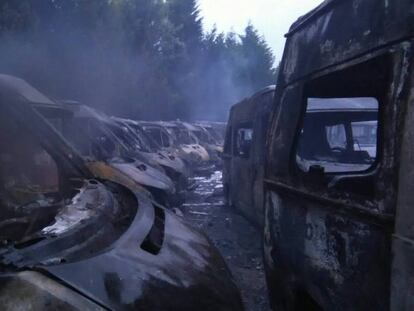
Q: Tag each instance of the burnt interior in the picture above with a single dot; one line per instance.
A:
(40, 200)
(30, 185)
(369, 79)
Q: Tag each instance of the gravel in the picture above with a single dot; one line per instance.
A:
(238, 241)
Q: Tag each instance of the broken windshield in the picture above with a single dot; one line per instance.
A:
(184, 136)
(203, 136)
(90, 139)
(128, 137)
(159, 135)
(153, 145)
(30, 185)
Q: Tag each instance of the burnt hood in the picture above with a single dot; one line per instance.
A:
(159, 263)
(143, 174)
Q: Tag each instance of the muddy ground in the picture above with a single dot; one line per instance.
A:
(238, 241)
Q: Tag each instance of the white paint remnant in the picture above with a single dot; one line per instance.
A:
(81, 207)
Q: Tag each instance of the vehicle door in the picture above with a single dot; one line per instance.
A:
(329, 204)
(242, 169)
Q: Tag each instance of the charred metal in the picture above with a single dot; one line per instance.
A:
(338, 161)
(84, 224)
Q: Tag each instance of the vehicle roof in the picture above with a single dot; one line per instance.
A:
(120, 120)
(83, 111)
(319, 40)
(188, 126)
(18, 87)
(203, 125)
(158, 123)
(245, 110)
(210, 123)
(305, 19)
(265, 90)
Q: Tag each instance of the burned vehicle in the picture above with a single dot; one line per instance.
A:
(107, 154)
(207, 141)
(176, 138)
(73, 242)
(139, 143)
(217, 130)
(339, 168)
(206, 132)
(188, 142)
(203, 133)
(244, 151)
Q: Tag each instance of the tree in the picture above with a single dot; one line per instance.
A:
(259, 71)
(143, 59)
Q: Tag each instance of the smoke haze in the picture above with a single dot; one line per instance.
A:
(136, 59)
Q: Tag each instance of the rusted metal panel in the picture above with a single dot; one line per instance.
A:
(319, 40)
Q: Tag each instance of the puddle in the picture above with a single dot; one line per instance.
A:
(208, 185)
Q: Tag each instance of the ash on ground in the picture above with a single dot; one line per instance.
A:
(238, 241)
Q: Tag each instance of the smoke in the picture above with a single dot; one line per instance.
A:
(106, 66)
(216, 91)
(66, 67)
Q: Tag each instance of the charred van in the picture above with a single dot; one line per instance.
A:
(339, 171)
(244, 150)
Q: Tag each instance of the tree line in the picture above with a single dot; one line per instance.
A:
(143, 59)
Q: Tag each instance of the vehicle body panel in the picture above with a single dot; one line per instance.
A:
(129, 274)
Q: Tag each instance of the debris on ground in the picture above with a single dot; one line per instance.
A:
(238, 241)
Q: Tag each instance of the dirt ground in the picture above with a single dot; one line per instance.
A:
(238, 241)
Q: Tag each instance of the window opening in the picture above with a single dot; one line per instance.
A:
(339, 135)
(244, 137)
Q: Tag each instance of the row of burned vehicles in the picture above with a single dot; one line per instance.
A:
(86, 204)
(324, 162)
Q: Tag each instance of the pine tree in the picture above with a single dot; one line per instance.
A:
(145, 59)
(259, 59)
